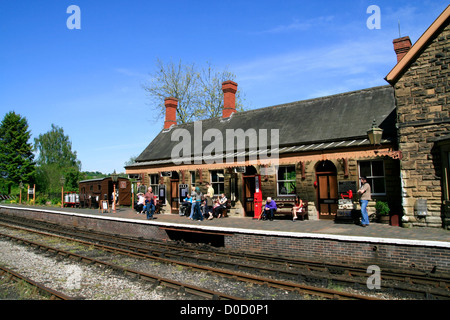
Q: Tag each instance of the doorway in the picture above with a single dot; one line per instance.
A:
(327, 189)
(174, 198)
(249, 186)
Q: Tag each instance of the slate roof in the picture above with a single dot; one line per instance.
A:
(335, 121)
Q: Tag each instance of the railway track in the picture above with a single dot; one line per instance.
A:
(272, 283)
(195, 290)
(203, 259)
(43, 290)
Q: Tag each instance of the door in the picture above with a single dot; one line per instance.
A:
(174, 203)
(124, 188)
(327, 190)
(249, 192)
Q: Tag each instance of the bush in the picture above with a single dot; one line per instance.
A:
(41, 200)
(382, 208)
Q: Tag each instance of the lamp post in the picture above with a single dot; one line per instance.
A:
(114, 178)
(375, 134)
(62, 180)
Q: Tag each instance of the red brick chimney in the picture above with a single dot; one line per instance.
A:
(401, 47)
(229, 89)
(171, 112)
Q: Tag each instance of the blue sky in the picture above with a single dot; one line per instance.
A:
(89, 81)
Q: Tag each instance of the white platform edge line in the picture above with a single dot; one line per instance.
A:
(427, 243)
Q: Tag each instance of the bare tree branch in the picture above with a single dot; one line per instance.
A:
(198, 90)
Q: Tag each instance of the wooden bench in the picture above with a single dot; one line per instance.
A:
(285, 205)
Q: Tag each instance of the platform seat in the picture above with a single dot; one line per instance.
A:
(285, 205)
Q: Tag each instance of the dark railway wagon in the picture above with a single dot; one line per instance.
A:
(94, 190)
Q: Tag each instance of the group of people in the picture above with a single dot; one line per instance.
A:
(199, 207)
(146, 203)
(365, 196)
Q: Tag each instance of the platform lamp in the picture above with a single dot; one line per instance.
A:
(114, 177)
(375, 134)
(62, 180)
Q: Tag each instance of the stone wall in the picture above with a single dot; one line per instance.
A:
(304, 184)
(423, 96)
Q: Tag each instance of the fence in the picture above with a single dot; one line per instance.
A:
(41, 198)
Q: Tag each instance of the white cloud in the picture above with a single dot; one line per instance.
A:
(296, 25)
(130, 73)
(314, 72)
(347, 58)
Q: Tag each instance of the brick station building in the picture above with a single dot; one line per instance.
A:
(323, 145)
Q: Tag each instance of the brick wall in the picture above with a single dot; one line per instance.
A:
(364, 254)
(104, 225)
(423, 97)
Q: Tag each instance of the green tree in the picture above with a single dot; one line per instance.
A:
(16, 156)
(56, 160)
(198, 90)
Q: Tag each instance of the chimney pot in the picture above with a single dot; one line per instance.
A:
(171, 112)
(401, 47)
(229, 89)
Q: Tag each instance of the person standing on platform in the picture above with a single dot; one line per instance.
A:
(366, 196)
(149, 203)
(196, 204)
(193, 197)
(209, 201)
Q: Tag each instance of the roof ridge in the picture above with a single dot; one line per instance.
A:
(343, 94)
(322, 98)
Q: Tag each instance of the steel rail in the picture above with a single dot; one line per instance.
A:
(352, 272)
(285, 285)
(348, 275)
(54, 295)
(206, 293)
(403, 276)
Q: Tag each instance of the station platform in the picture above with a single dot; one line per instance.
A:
(375, 232)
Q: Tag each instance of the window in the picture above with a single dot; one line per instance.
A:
(217, 181)
(374, 172)
(154, 183)
(286, 181)
(192, 178)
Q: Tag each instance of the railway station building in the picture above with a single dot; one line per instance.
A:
(319, 149)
